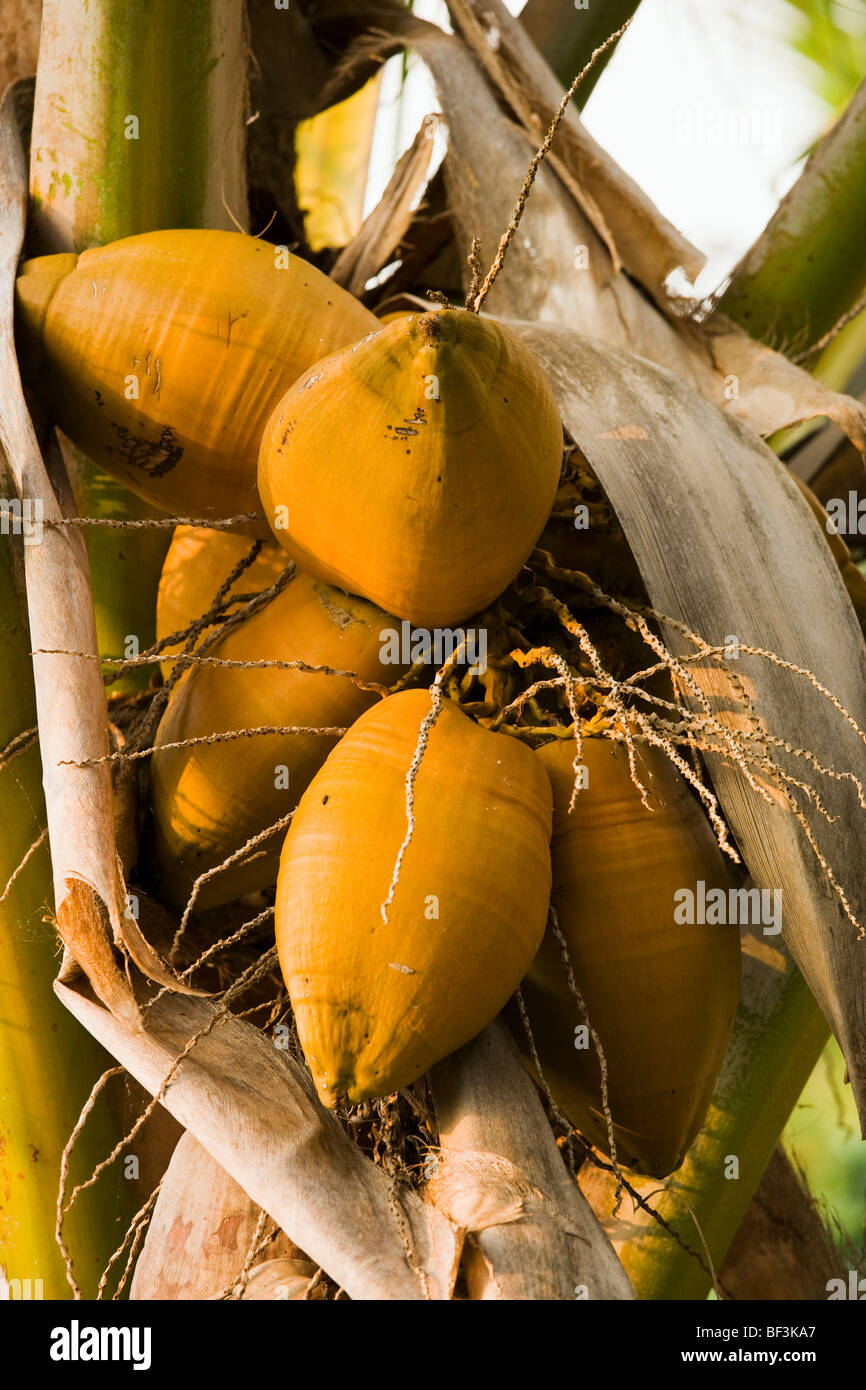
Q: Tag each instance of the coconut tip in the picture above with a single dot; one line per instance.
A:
(333, 1094)
(37, 283)
(431, 326)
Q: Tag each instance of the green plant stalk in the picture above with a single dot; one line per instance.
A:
(778, 1037)
(808, 267)
(138, 124)
(567, 36)
(48, 1062)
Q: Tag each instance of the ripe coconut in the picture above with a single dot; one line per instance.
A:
(418, 467)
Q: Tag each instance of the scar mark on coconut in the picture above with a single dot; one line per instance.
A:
(360, 344)
(404, 432)
(339, 615)
(157, 385)
(232, 322)
(155, 458)
(432, 328)
(404, 969)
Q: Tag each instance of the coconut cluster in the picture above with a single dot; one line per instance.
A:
(424, 862)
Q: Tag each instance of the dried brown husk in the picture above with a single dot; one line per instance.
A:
(202, 1237)
(389, 221)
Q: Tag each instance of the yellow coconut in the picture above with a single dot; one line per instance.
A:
(197, 564)
(208, 799)
(417, 467)
(162, 355)
(379, 996)
(660, 992)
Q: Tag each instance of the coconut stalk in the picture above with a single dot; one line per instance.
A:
(47, 1061)
(778, 1037)
(501, 1178)
(779, 291)
(98, 172)
(177, 86)
(808, 266)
